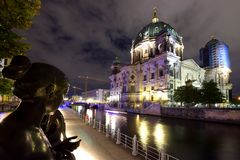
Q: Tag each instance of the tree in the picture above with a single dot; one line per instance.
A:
(179, 95)
(5, 87)
(15, 15)
(186, 94)
(210, 94)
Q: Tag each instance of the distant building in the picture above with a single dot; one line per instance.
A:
(4, 62)
(96, 96)
(157, 68)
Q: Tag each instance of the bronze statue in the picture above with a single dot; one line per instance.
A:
(41, 88)
(54, 128)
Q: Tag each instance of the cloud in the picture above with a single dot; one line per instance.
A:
(82, 37)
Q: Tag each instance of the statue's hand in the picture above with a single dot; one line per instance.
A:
(68, 144)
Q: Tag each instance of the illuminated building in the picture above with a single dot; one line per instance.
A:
(157, 69)
(215, 60)
(215, 54)
(96, 95)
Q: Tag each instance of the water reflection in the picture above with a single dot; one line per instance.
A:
(114, 121)
(143, 132)
(159, 136)
(111, 120)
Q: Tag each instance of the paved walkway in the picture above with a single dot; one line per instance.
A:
(94, 145)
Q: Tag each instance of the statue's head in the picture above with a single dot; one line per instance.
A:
(37, 82)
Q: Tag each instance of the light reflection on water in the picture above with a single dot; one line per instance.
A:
(159, 136)
(142, 127)
(143, 132)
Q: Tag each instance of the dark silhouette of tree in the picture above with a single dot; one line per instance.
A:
(210, 94)
(179, 94)
(186, 94)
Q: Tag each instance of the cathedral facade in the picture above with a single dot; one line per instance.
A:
(157, 68)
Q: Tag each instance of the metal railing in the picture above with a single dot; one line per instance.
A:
(7, 107)
(137, 147)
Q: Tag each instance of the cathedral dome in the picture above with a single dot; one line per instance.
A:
(154, 29)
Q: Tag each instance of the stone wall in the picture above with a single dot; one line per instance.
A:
(206, 114)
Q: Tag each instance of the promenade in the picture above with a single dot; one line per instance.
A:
(94, 145)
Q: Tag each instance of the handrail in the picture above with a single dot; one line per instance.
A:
(137, 147)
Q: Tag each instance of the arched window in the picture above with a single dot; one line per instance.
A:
(156, 30)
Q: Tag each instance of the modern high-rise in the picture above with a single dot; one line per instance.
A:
(215, 54)
(214, 58)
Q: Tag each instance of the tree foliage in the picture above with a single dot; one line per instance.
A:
(5, 86)
(210, 94)
(186, 94)
(15, 15)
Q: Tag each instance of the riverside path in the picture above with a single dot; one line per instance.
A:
(94, 145)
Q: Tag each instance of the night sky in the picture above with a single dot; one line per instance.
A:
(82, 37)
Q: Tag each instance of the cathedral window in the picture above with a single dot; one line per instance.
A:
(152, 98)
(177, 76)
(132, 77)
(152, 88)
(160, 73)
(152, 76)
(132, 89)
(146, 34)
(156, 30)
(171, 72)
(145, 78)
(144, 89)
(124, 89)
(171, 86)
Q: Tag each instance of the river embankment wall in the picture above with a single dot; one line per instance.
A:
(226, 115)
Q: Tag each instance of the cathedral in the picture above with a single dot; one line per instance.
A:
(157, 68)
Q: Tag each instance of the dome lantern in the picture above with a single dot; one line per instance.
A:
(155, 19)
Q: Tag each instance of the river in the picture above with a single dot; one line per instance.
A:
(184, 139)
